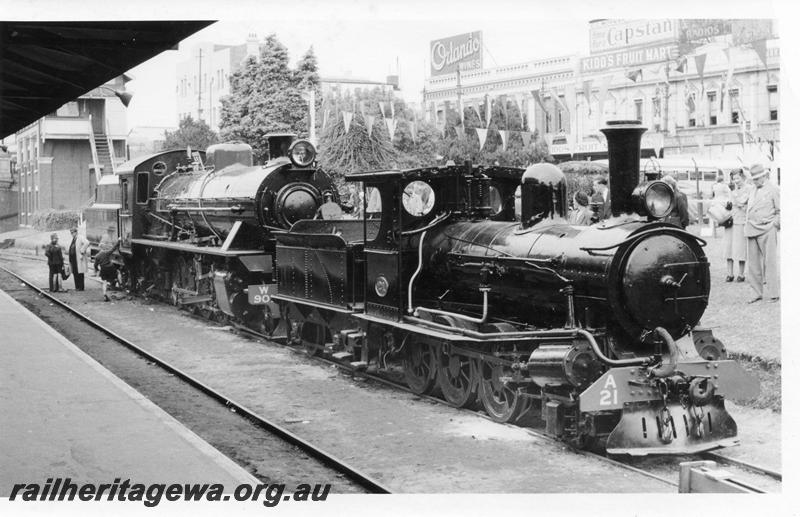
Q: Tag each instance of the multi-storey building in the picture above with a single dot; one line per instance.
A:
(204, 78)
(706, 88)
(60, 156)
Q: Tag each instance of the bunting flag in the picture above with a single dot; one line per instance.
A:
(382, 106)
(476, 107)
(700, 63)
(481, 137)
(488, 109)
(587, 93)
(634, 75)
(603, 94)
(370, 121)
(391, 125)
(537, 96)
(518, 101)
(347, 116)
(503, 138)
(526, 138)
(460, 131)
(760, 46)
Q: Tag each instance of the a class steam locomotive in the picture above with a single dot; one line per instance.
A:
(591, 329)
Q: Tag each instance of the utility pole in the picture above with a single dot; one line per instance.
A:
(200, 85)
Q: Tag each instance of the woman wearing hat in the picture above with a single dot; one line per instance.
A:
(761, 229)
(740, 193)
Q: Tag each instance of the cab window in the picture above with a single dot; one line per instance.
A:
(142, 187)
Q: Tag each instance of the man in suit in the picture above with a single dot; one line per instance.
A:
(601, 201)
(762, 222)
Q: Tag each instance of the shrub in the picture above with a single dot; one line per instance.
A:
(56, 219)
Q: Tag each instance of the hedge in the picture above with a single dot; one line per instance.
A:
(56, 219)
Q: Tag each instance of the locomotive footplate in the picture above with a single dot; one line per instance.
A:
(672, 429)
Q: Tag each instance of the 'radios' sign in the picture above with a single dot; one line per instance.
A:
(464, 51)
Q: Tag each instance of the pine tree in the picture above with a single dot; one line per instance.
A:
(265, 98)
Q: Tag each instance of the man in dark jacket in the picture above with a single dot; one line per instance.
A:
(601, 201)
(680, 212)
(55, 261)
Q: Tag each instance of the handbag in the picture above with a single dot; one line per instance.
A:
(65, 271)
(720, 214)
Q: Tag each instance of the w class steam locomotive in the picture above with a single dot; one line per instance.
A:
(591, 329)
(201, 235)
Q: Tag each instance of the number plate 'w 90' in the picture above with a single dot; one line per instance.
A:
(261, 294)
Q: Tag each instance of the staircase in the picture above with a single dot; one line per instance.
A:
(103, 152)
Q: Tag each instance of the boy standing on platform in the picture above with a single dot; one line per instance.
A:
(55, 261)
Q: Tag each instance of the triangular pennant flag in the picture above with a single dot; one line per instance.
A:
(700, 63)
(760, 46)
(504, 107)
(526, 138)
(601, 97)
(391, 125)
(634, 75)
(382, 106)
(370, 121)
(460, 131)
(476, 107)
(488, 102)
(481, 137)
(537, 96)
(587, 93)
(503, 138)
(518, 101)
(347, 116)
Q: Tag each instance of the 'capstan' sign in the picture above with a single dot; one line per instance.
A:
(619, 34)
(464, 51)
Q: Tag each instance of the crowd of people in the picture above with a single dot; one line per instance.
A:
(748, 210)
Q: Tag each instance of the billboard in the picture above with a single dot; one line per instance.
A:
(464, 52)
(629, 57)
(610, 35)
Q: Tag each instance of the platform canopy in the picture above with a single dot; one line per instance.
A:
(44, 65)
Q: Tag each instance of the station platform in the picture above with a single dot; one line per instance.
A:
(64, 415)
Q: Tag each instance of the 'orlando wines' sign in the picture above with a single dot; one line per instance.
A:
(464, 51)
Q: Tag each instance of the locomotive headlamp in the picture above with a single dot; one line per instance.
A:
(302, 153)
(653, 199)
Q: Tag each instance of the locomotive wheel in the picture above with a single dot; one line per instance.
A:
(419, 367)
(502, 403)
(458, 379)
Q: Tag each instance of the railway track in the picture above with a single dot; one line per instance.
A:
(361, 479)
(349, 471)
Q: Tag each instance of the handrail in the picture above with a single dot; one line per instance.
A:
(93, 145)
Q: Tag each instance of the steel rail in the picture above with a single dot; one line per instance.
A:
(758, 469)
(431, 398)
(388, 382)
(323, 456)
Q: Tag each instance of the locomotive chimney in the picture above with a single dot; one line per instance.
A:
(624, 147)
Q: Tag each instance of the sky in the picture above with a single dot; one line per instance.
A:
(366, 49)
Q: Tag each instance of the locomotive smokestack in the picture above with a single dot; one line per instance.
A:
(624, 147)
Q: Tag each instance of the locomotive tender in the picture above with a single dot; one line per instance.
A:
(591, 329)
